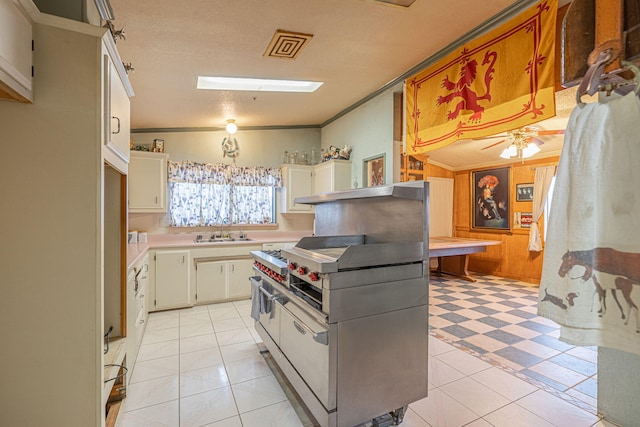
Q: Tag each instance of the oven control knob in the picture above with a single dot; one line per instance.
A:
(302, 270)
(293, 266)
(314, 276)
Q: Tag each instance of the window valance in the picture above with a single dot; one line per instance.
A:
(221, 174)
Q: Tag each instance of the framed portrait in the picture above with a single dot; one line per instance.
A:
(490, 207)
(373, 170)
(524, 192)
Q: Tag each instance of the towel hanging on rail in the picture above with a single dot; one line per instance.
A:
(592, 255)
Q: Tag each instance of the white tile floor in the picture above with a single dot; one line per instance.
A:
(201, 367)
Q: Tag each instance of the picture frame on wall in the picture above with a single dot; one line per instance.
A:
(522, 219)
(373, 170)
(490, 209)
(524, 192)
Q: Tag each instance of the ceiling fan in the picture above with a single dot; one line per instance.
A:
(524, 142)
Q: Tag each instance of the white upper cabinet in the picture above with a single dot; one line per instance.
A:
(333, 175)
(117, 112)
(116, 120)
(301, 180)
(16, 35)
(148, 182)
(297, 182)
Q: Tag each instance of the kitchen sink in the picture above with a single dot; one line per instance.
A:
(219, 240)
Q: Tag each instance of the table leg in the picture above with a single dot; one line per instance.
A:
(455, 265)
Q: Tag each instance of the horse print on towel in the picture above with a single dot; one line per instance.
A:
(608, 269)
(555, 300)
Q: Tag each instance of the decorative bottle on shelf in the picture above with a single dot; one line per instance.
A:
(285, 157)
(304, 158)
(314, 157)
(293, 157)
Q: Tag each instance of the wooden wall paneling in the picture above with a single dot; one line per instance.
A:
(512, 258)
(461, 201)
(437, 171)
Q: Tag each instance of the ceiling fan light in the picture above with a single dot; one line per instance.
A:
(530, 150)
(505, 154)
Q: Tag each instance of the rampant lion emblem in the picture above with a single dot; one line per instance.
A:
(463, 88)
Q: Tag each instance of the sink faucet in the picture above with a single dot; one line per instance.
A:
(225, 234)
(221, 233)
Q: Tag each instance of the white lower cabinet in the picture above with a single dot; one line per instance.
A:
(137, 287)
(211, 278)
(172, 279)
(223, 280)
(238, 273)
(141, 298)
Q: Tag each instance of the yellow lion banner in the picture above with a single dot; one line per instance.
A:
(501, 81)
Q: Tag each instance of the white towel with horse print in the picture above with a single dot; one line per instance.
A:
(590, 281)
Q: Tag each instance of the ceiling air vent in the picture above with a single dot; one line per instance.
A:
(287, 44)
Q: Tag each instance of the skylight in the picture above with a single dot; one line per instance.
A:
(262, 85)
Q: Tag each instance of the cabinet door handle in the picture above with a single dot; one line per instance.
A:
(183, 259)
(221, 269)
(233, 268)
(117, 131)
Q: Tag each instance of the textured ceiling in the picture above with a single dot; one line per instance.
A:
(357, 48)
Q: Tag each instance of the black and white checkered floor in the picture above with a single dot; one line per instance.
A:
(495, 319)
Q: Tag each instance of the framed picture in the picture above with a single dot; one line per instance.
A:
(373, 170)
(522, 219)
(524, 192)
(158, 146)
(490, 199)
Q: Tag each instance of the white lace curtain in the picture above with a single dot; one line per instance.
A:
(212, 194)
(541, 184)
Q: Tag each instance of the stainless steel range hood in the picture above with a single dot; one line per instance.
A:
(407, 190)
(384, 214)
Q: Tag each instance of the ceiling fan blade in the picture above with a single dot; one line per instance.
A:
(551, 132)
(500, 135)
(537, 141)
(494, 144)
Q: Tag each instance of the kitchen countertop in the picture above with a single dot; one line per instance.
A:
(135, 251)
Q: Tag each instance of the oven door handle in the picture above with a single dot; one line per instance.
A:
(279, 298)
(319, 337)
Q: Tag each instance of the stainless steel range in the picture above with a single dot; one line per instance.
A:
(344, 313)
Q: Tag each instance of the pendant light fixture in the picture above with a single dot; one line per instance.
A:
(231, 126)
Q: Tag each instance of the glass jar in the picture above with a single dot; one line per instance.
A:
(293, 157)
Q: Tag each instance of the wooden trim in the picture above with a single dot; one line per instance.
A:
(112, 416)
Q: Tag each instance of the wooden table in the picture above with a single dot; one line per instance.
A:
(453, 254)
